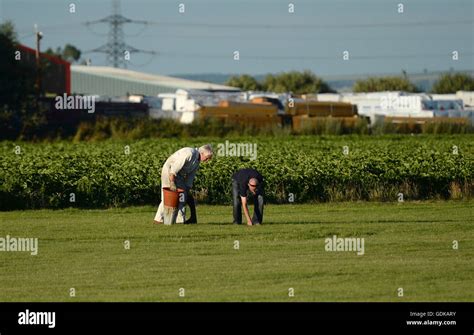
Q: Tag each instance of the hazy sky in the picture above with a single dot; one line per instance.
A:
(268, 37)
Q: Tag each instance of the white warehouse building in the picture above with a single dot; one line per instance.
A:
(114, 82)
(378, 105)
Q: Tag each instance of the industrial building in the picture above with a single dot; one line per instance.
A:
(379, 105)
(124, 92)
(57, 78)
(113, 82)
(60, 76)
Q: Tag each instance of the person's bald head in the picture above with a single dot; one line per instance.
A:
(253, 183)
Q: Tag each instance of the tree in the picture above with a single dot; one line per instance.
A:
(392, 83)
(16, 81)
(17, 77)
(7, 31)
(244, 82)
(451, 83)
(295, 82)
(70, 53)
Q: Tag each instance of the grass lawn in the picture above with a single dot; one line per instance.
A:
(407, 245)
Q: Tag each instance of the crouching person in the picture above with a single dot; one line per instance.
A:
(178, 172)
(243, 182)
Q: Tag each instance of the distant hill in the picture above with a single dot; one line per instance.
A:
(340, 83)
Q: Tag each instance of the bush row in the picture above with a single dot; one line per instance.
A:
(303, 169)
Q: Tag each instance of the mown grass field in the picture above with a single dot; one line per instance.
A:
(407, 245)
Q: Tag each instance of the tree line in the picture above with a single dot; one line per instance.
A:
(307, 82)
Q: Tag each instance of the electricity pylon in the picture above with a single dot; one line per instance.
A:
(117, 51)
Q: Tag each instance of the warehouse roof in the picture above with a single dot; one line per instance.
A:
(133, 81)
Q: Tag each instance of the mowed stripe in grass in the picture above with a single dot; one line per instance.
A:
(407, 245)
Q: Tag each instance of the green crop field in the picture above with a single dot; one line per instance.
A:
(310, 168)
(119, 255)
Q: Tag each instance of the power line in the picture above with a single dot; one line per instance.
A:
(27, 35)
(116, 46)
(94, 32)
(399, 24)
(337, 57)
(116, 49)
(198, 36)
(143, 64)
(151, 24)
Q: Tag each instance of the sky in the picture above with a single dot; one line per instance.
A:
(267, 36)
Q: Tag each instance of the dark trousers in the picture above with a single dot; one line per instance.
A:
(192, 205)
(258, 204)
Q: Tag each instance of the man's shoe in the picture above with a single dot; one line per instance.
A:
(157, 222)
(191, 221)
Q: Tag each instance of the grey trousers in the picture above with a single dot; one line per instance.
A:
(258, 205)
